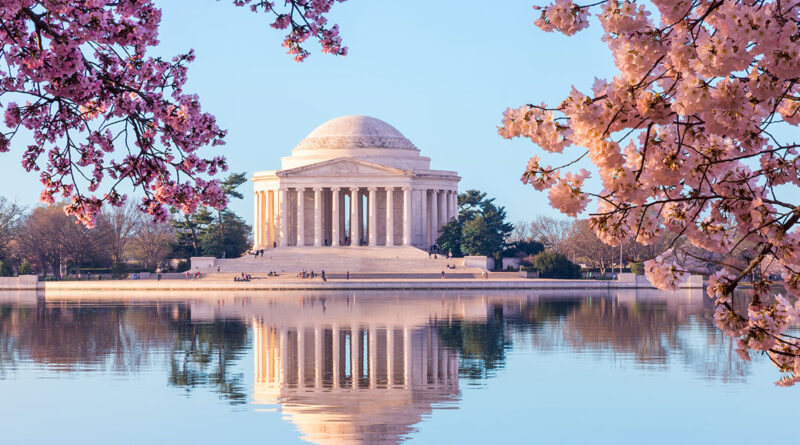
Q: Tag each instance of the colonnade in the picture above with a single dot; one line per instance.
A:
(351, 356)
(300, 216)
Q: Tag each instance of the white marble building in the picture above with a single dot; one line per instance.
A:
(354, 180)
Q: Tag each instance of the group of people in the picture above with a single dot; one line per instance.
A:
(256, 253)
(192, 275)
(312, 274)
(243, 277)
(272, 274)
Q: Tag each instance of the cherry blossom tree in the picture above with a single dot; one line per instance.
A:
(694, 137)
(76, 77)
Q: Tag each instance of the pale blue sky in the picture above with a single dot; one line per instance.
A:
(441, 72)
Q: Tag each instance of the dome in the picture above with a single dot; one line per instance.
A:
(354, 132)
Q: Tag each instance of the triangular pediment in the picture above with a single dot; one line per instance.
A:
(343, 166)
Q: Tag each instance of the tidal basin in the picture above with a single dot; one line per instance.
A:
(583, 366)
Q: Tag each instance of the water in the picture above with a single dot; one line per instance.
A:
(574, 367)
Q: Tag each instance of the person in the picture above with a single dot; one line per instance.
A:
(158, 275)
(443, 275)
(187, 274)
(223, 254)
(217, 268)
(323, 276)
(274, 244)
(429, 253)
(347, 277)
(89, 276)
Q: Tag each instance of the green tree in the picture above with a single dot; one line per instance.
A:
(203, 234)
(480, 229)
(231, 242)
(450, 240)
(552, 264)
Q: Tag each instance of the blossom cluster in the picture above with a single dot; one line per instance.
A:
(302, 19)
(77, 77)
(693, 138)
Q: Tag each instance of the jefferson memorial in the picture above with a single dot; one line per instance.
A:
(353, 181)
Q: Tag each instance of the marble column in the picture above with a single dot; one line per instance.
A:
(256, 221)
(354, 216)
(263, 223)
(425, 224)
(434, 217)
(453, 204)
(444, 202)
(301, 217)
(406, 216)
(283, 218)
(390, 216)
(372, 208)
(317, 216)
(335, 217)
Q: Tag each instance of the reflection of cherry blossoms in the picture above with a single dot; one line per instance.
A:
(77, 77)
(689, 140)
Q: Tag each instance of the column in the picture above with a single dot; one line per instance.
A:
(372, 208)
(283, 218)
(354, 219)
(317, 216)
(390, 216)
(434, 217)
(262, 224)
(270, 212)
(335, 352)
(443, 204)
(425, 224)
(256, 218)
(406, 216)
(453, 204)
(301, 217)
(335, 217)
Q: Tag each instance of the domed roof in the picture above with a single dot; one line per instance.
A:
(348, 132)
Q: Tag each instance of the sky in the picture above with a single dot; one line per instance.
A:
(441, 72)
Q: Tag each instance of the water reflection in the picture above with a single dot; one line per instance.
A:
(355, 368)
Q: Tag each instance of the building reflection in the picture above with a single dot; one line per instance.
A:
(354, 383)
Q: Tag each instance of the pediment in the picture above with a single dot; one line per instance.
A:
(343, 166)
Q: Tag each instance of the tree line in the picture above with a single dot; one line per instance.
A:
(45, 240)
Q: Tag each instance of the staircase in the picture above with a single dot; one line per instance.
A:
(403, 259)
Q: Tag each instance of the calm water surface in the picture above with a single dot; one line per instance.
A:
(380, 368)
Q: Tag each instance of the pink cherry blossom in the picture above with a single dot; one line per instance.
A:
(77, 76)
(693, 138)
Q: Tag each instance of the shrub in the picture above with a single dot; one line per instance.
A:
(183, 266)
(637, 268)
(554, 265)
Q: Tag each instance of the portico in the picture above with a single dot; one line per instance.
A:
(354, 181)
